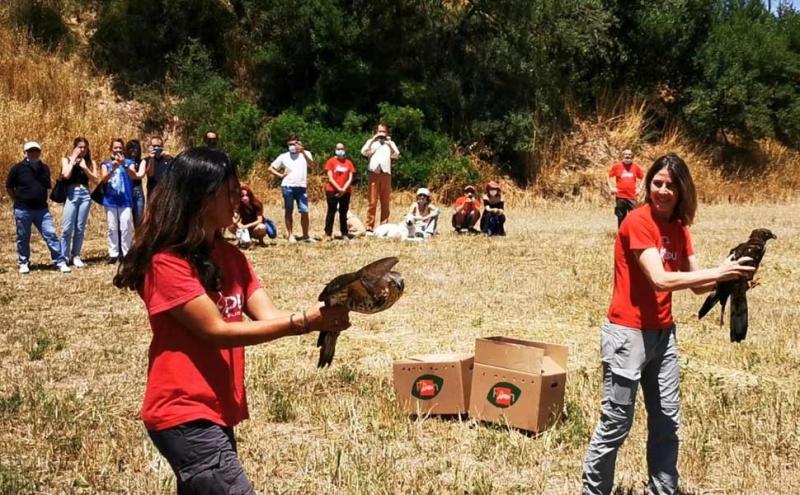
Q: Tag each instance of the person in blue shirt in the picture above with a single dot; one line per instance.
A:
(118, 172)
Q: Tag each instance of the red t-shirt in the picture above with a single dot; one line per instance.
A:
(626, 179)
(187, 378)
(476, 205)
(341, 173)
(635, 303)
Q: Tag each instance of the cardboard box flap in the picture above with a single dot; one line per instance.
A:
(440, 358)
(523, 355)
(551, 367)
(503, 352)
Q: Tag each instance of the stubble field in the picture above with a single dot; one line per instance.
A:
(73, 357)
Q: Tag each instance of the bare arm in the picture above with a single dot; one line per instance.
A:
(333, 182)
(202, 318)
(66, 167)
(692, 265)
(662, 280)
(91, 169)
(612, 184)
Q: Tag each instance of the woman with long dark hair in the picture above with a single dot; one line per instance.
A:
(136, 171)
(197, 288)
(251, 215)
(76, 170)
(653, 257)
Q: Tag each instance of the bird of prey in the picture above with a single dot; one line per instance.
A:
(736, 290)
(371, 289)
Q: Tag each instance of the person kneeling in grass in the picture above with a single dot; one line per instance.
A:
(197, 289)
(467, 211)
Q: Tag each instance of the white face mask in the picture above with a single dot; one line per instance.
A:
(627, 161)
(493, 192)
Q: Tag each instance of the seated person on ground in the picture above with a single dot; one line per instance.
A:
(355, 227)
(251, 216)
(494, 216)
(423, 216)
(467, 211)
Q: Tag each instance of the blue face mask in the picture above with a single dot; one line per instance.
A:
(340, 153)
(292, 149)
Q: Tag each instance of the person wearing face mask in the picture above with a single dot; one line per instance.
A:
(27, 184)
(625, 183)
(292, 168)
(493, 219)
(467, 212)
(250, 224)
(381, 151)
(339, 170)
(117, 173)
(156, 163)
(211, 139)
(423, 216)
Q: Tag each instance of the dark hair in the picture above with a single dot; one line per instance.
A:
(87, 156)
(292, 137)
(116, 140)
(133, 150)
(173, 219)
(254, 206)
(686, 206)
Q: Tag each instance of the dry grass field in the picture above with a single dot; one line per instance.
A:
(73, 362)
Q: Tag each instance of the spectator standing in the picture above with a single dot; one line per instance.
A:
(77, 170)
(292, 168)
(340, 171)
(156, 163)
(381, 150)
(118, 200)
(625, 183)
(27, 184)
(138, 168)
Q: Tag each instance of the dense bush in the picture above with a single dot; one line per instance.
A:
(42, 20)
(508, 75)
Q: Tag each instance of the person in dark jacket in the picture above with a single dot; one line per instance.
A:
(27, 184)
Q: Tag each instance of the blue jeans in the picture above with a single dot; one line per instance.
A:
(44, 223)
(292, 194)
(138, 204)
(73, 223)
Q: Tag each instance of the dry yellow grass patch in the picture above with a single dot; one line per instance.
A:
(73, 363)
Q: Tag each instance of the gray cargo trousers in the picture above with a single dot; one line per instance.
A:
(630, 357)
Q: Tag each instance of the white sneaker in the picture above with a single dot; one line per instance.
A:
(77, 263)
(63, 268)
(292, 239)
(24, 268)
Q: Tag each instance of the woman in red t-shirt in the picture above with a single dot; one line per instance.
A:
(197, 289)
(653, 256)
(339, 170)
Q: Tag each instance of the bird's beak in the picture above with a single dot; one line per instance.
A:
(401, 284)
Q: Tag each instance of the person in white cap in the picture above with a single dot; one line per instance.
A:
(423, 216)
(27, 184)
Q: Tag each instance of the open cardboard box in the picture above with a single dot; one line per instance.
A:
(517, 382)
(433, 383)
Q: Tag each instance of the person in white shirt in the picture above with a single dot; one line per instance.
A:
(292, 168)
(381, 150)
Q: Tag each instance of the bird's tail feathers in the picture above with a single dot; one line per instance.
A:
(710, 302)
(327, 347)
(738, 318)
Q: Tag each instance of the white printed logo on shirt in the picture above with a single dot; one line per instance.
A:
(230, 306)
(666, 251)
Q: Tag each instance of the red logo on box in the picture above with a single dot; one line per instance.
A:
(503, 394)
(427, 387)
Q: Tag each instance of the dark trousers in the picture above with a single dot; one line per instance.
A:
(337, 203)
(203, 456)
(622, 208)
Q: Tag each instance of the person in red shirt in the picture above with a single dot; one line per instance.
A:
(653, 256)
(625, 183)
(197, 289)
(339, 170)
(467, 211)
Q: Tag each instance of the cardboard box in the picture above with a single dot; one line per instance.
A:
(519, 383)
(433, 383)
